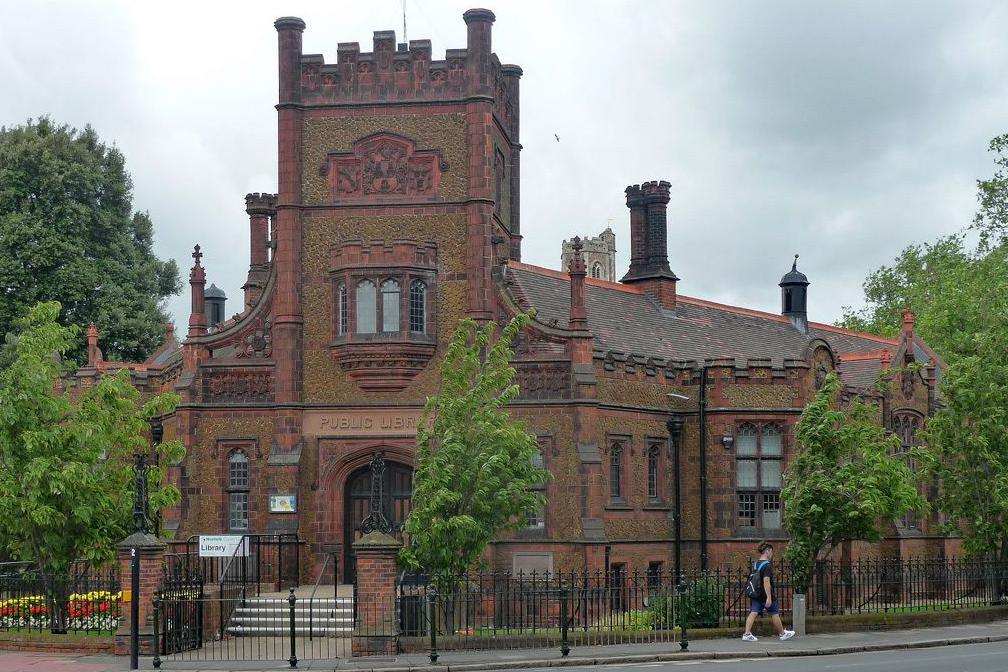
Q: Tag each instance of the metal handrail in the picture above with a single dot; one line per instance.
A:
(311, 600)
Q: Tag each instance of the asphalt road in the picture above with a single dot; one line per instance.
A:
(971, 657)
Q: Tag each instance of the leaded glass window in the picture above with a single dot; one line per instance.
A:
(390, 306)
(341, 300)
(238, 487)
(418, 307)
(759, 456)
(366, 306)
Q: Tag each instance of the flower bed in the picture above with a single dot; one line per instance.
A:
(96, 611)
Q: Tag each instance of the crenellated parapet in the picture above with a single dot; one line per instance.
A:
(398, 71)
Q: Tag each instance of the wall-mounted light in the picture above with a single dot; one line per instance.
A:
(728, 441)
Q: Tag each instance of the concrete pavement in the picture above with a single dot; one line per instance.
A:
(636, 655)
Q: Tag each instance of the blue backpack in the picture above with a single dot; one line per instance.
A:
(753, 587)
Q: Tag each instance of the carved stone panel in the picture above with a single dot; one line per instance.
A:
(384, 166)
(237, 385)
(540, 380)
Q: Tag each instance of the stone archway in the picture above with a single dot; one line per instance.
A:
(396, 501)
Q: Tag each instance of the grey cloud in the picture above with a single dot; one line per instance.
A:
(842, 131)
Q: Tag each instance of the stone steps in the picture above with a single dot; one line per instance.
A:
(271, 617)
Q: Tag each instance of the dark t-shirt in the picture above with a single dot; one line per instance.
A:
(766, 570)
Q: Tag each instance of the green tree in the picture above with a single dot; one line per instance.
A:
(66, 476)
(68, 233)
(475, 474)
(844, 480)
(967, 439)
(991, 219)
(917, 279)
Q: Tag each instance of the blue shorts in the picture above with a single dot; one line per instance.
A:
(759, 606)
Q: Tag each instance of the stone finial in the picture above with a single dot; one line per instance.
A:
(94, 353)
(197, 282)
(909, 320)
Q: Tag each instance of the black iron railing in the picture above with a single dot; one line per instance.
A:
(273, 562)
(83, 600)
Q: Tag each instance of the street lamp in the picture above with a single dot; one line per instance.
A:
(675, 426)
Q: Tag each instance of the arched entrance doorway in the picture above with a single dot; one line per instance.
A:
(396, 496)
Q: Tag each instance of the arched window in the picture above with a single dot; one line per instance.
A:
(390, 306)
(596, 270)
(366, 305)
(341, 309)
(616, 471)
(418, 307)
(238, 491)
(653, 472)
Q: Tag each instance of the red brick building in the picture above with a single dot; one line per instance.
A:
(397, 215)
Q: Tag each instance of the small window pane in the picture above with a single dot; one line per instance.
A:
(238, 470)
(771, 441)
(418, 307)
(366, 307)
(745, 473)
(390, 306)
(747, 510)
(745, 441)
(238, 518)
(537, 520)
(771, 511)
(771, 473)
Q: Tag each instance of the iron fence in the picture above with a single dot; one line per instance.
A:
(189, 627)
(505, 610)
(84, 600)
(272, 563)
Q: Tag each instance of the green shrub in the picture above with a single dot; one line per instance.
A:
(661, 608)
(703, 602)
(635, 619)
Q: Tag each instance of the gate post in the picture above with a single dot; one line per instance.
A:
(376, 628)
(150, 551)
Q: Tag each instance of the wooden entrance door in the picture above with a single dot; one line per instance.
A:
(398, 498)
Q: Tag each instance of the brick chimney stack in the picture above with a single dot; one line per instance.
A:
(576, 268)
(649, 266)
(94, 354)
(289, 32)
(908, 323)
(197, 281)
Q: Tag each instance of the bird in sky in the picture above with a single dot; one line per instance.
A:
(557, 137)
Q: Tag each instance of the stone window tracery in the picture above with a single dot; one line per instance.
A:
(759, 457)
(596, 271)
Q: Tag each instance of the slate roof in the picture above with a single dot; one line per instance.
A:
(624, 319)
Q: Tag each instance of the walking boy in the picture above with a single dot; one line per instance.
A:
(764, 595)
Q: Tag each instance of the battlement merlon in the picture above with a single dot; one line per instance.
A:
(398, 72)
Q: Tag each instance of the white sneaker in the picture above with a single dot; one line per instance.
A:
(787, 634)
(749, 637)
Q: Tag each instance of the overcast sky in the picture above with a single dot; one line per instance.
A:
(842, 131)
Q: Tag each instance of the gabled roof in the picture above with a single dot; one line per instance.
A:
(624, 319)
